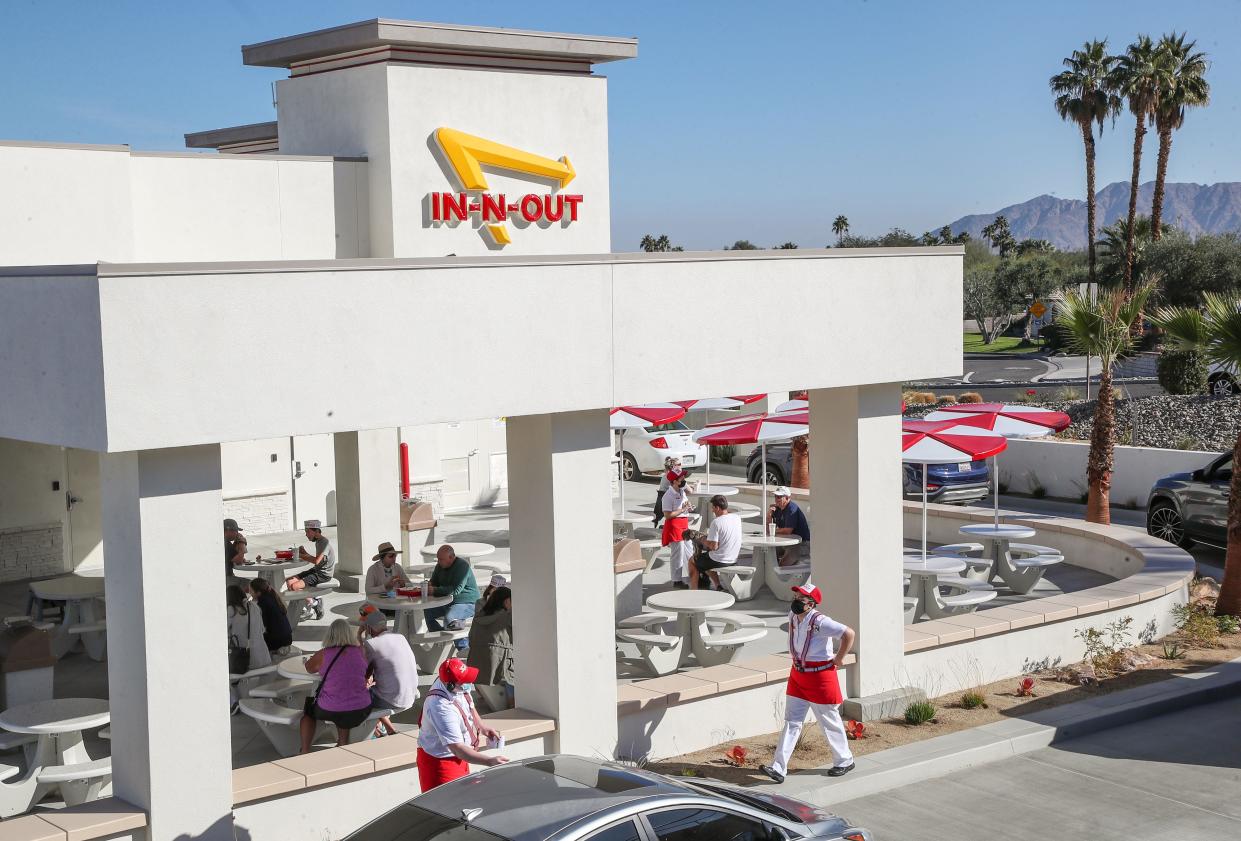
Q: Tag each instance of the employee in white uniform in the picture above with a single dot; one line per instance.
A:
(451, 732)
(813, 685)
(676, 520)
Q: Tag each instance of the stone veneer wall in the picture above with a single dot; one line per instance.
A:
(431, 491)
(32, 552)
(260, 513)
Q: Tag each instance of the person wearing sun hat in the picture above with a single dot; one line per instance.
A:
(813, 685)
(385, 574)
(450, 732)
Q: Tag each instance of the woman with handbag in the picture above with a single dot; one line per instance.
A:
(246, 648)
(277, 632)
(342, 697)
(491, 643)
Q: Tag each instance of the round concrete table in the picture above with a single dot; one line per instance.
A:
(273, 571)
(294, 668)
(409, 611)
(924, 577)
(624, 523)
(997, 539)
(744, 510)
(469, 551)
(83, 605)
(59, 724)
(704, 493)
(766, 560)
(691, 608)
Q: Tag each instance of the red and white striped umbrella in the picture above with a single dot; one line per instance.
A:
(638, 417)
(647, 414)
(706, 404)
(794, 406)
(944, 442)
(756, 429)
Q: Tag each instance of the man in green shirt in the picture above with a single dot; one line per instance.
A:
(452, 576)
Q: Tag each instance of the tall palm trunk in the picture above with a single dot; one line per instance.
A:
(1088, 139)
(801, 462)
(1099, 462)
(1139, 134)
(1230, 591)
(1161, 172)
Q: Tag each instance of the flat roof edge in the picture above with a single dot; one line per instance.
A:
(487, 261)
(216, 137)
(55, 144)
(67, 270)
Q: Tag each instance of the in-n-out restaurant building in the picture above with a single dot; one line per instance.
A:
(417, 251)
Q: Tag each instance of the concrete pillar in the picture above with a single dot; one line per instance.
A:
(856, 523)
(167, 670)
(368, 500)
(564, 617)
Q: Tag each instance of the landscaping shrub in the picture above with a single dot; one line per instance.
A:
(1105, 648)
(972, 699)
(1197, 625)
(970, 397)
(723, 453)
(947, 400)
(1182, 371)
(1228, 624)
(919, 712)
(1054, 337)
(1173, 651)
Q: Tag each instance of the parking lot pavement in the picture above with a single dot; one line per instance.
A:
(1175, 776)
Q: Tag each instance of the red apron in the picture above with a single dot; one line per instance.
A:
(433, 771)
(674, 530)
(812, 680)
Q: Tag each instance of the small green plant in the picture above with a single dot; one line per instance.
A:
(1036, 486)
(1173, 651)
(1197, 625)
(1105, 647)
(1068, 394)
(919, 712)
(689, 772)
(1228, 624)
(972, 699)
(1182, 371)
(1187, 442)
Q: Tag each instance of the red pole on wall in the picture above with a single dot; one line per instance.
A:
(404, 470)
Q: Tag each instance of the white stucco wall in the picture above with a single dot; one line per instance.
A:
(1060, 468)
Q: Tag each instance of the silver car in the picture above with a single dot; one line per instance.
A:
(1189, 508)
(571, 798)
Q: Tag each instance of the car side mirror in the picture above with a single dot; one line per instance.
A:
(1198, 474)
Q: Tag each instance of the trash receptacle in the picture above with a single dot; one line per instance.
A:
(26, 664)
(417, 527)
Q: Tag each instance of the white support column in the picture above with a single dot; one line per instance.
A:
(564, 622)
(167, 670)
(856, 523)
(368, 499)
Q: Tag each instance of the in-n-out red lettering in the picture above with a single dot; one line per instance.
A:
(548, 213)
(531, 207)
(494, 208)
(455, 207)
(573, 201)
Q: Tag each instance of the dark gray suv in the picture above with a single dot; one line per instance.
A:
(1188, 508)
(572, 798)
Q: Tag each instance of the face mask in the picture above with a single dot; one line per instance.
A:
(798, 606)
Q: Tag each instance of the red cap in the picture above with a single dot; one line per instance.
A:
(455, 671)
(809, 592)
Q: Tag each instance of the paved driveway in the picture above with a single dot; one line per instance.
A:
(1176, 776)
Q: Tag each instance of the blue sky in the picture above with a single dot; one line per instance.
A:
(737, 120)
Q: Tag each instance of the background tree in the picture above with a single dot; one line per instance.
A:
(1192, 267)
(1185, 87)
(840, 228)
(1217, 330)
(1033, 246)
(741, 245)
(1000, 236)
(659, 243)
(786, 245)
(1101, 328)
(1138, 77)
(1115, 253)
(1084, 96)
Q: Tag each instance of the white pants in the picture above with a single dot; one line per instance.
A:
(794, 718)
(678, 561)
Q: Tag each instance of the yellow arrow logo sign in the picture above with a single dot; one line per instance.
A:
(467, 154)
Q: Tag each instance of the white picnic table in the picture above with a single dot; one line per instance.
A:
(83, 604)
(703, 493)
(997, 537)
(691, 608)
(409, 610)
(294, 668)
(624, 522)
(466, 550)
(58, 725)
(273, 571)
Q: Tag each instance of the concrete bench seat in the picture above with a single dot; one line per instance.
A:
(646, 620)
(781, 579)
(741, 580)
(280, 724)
(80, 782)
(957, 549)
(88, 627)
(432, 647)
(281, 688)
(720, 648)
(661, 653)
(735, 620)
(970, 598)
(1023, 565)
(23, 619)
(911, 608)
(8, 772)
(13, 741)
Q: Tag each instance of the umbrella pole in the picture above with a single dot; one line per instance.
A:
(995, 470)
(620, 471)
(706, 421)
(924, 513)
(762, 467)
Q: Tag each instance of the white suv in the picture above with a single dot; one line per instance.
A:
(1222, 381)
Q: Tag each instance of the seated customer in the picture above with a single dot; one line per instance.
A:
(324, 564)
(277, 632)
(452, 576)
(720, 547)
(790, 519)
(342, 698)
(496, 581)
(393, 669)
(491, 642)
(385, 574)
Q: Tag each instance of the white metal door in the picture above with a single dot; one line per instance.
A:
(460, 465)
(313, 465)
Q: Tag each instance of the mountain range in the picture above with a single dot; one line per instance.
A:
(1194, 208)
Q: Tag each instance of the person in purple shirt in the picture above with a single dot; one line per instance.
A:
(342, 698)
(790, 519)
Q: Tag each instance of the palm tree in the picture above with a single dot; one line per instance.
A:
(1138, 77)
(1101, 328)
(1186, 87)
(840, 227)
(1084, 96)
(1113, 246)
(1216, 330)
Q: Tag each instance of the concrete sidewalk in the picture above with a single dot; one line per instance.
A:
(932, 758)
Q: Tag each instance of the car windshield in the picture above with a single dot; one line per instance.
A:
(411, 823)
(675, 426)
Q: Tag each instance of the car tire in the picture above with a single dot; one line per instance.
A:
(1222, 385)
(1166, 523)
(775, 476)
(629, 468)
